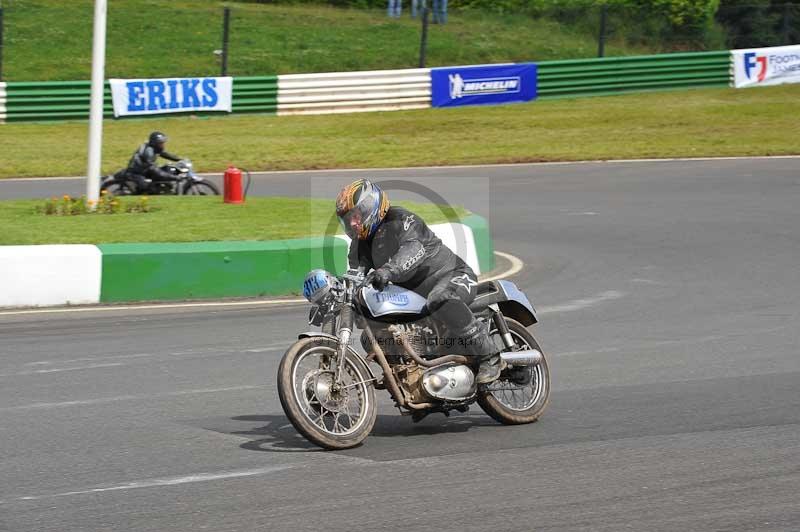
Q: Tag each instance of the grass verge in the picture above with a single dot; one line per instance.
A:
(707, 122)
(187, 219)
(52, 39)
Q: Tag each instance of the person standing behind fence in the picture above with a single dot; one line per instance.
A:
(395, 7)
(440, 11)
(417, 6)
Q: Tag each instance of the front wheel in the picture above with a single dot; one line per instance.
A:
(201, 188)
(329, 416)
(521, 394)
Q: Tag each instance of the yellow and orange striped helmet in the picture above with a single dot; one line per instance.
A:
(361, 207)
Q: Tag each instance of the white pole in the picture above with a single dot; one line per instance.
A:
(96, 109)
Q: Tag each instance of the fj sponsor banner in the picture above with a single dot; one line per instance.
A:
(483, 85)
(171, 95)
(766, 66)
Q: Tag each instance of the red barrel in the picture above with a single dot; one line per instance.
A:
(233, 185)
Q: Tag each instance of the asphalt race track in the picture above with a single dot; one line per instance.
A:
(669, 298)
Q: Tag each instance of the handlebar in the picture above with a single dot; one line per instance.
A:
(357, 278)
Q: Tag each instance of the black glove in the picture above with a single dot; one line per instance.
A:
(378, 279)
(166, 175)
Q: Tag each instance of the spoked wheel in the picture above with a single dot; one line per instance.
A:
(201, 188)
(331, 416)
(117, 188)
(521, 394)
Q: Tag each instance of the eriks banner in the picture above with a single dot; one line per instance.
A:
(171, 95)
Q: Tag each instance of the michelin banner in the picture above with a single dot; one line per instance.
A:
(483, 85)
(766, 66)
(170, 95)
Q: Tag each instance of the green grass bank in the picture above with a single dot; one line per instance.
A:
(694, 123)
(52, 39)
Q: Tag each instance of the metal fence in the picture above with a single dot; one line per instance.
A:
(615, 75)
(352, 92)
(2, 102)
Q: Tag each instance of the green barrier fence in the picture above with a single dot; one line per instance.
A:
(69, 100)
(614, 75)
(54, 100)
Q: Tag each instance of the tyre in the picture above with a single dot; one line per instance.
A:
(200, 188)
(326, 417)
(521, 394)
(119, 188)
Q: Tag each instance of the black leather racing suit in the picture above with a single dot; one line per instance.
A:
(143, 166)
(417, 260)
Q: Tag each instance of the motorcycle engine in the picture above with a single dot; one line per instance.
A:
(449, 382)
(422, 336)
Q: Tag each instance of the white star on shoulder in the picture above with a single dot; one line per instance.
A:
(464, 281)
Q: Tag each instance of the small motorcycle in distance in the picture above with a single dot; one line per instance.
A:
(186, 183)
(327, 389)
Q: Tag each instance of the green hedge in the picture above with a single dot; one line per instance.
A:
(760, 23)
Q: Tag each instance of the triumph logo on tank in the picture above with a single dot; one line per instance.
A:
(460, 87)
(401, 300)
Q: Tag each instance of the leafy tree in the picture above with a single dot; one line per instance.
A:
(757, 23)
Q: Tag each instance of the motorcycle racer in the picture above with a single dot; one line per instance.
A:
(142, 167)
(400, 248)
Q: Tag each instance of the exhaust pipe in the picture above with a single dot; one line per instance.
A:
(529, 357)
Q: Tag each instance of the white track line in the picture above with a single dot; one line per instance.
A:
(161, 482)
(88, 359)
(580, 304)
(34, 406)
(516, 267)
(60, 370)
(457, 167)
(156, 306)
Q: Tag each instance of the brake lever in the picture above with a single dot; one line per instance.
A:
(367, 280)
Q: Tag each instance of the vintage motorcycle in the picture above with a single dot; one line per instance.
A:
(327, 389)
(186, 182)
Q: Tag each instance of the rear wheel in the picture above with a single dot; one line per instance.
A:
(201, 188)
(119, 188)
(521, 394)
(329, 417)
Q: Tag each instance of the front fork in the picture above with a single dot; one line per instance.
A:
(502, 327)
(346, 322)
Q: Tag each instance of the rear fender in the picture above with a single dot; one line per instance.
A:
(517, 305)
(518, 312)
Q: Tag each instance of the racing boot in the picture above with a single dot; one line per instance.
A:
(478, 344)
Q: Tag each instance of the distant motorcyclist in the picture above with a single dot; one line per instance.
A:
(142, 167)
(402, 249)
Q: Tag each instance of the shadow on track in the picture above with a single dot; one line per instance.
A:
(276, 434)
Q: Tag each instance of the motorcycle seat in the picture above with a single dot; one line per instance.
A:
(489, 292)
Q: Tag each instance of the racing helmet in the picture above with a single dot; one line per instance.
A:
(361, 207)
(157, 139)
